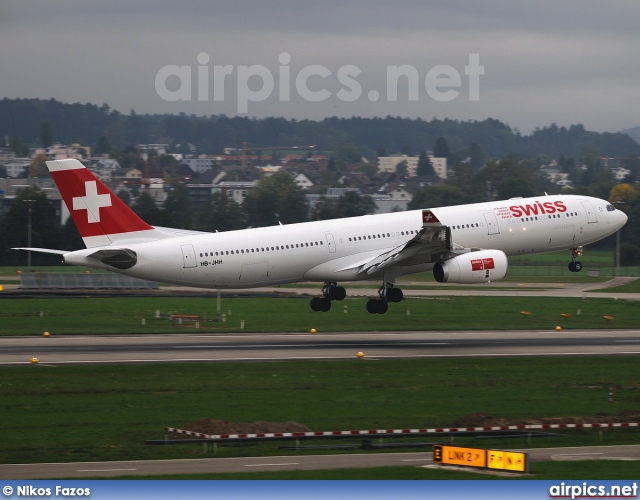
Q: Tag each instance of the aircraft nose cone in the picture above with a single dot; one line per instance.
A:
(622, 218)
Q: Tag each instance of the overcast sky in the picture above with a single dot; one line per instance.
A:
(537, 63)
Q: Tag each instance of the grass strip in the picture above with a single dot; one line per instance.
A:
(81, 413)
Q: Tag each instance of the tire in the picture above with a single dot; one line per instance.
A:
(395, 294)
(381, 306)
(324, 304)
(315, 304)
(577, 267)
(572, 267)
(339, 293)
(372, 306)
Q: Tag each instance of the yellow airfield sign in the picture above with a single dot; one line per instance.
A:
(478, 457)
(507, 460)
(456, 455)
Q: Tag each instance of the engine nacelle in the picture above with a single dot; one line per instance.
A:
(472, 267)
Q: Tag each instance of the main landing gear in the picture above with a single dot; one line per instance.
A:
(387, 294)
(330, 291)
(575, 266)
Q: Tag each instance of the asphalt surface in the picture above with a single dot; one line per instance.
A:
(283, 463)
(171, 348)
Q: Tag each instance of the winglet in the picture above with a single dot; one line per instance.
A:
(428, 217)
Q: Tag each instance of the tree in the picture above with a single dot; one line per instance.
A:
(515, 187)
(346, 154)
(38, 166)
(406, 150)
(507, 179)
(352, 204)
(477, 156)
(425, 168)
(382, 151)
(178, 207)
(402, 168)
(220, 213)
(624, 193)
(466, 179)
(145, 207)
(46, 134)
(103, 146)
(14, 225)
(441, 149)
(124, 195)
(441, 195)
(20, 148)
(275, 199)
(326, 208)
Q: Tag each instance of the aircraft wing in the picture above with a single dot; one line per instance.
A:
(433, 237)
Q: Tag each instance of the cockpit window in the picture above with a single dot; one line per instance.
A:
(610, 208)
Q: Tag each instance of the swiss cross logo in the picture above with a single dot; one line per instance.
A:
(92, 202)
(482, 264)
(428, 217)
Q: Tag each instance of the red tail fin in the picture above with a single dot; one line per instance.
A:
(100, 216)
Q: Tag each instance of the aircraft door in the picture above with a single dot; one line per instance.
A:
(591, 213)
(188, 256)
(331, 242)
(492, 223)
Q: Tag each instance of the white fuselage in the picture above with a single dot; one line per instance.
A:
(330, 251)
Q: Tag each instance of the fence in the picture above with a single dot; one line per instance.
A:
(82, 281)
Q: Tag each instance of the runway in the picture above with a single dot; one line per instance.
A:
(170, 348)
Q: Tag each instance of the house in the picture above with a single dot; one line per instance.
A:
(17, 167)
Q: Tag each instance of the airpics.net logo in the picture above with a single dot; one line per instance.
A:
(257, 83)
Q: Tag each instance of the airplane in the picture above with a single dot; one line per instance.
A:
(459, 244)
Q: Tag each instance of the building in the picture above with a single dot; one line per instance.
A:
(390, 164)
(17, 167)
(200, 165)
(6, 155)
(59, 151)
(235, 190)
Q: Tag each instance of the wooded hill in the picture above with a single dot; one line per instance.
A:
(23, 119)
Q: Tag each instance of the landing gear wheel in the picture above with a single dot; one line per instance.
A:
(377, 306)
(381, 306)
(337, 293)
(320, 304)
(575, 267)
(394, 294)
(324, 304)
(372, 306)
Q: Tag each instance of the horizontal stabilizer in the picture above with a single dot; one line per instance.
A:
(43, 250)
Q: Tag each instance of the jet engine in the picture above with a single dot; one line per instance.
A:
(473, 267)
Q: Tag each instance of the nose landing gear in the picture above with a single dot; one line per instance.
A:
(575, 266)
